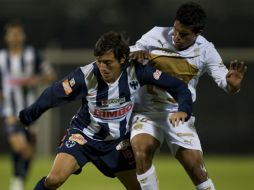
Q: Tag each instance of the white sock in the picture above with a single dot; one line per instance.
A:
(17, 183)
(207, 185)
(148, 180)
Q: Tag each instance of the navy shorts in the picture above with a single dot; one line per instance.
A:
(109, 157)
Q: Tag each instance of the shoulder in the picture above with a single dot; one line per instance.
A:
(89, 68)
(3, 55)
(158, 30)
(30, 49)
(3, 52)
(32, 52)
(203, 43)
(209, 53)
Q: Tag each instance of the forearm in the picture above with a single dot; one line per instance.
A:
(33, 112)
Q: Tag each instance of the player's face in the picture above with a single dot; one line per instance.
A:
(183, 36)
(110, 67)
(15, 36)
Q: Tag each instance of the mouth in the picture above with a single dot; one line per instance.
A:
(106, 76)
(177, 43)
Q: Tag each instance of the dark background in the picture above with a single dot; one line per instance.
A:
(78, 23)
(224, 122)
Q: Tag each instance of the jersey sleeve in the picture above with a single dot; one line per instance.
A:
(214, 67)
(70, 88)
(177, 88)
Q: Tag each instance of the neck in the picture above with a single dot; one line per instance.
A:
(15, 49)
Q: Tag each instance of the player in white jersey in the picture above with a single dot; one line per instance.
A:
(22, 70)
(181, 51)
(99, 131)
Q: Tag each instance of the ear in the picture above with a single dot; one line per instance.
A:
(199, 33)
(122, 61)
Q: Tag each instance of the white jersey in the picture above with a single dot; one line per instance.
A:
(187, 65)
(14, 70)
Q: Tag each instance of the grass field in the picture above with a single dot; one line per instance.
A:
(227, 172)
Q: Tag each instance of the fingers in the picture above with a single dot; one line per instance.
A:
(233, 64)
(242, 68)
(239, 66)
(176, 118)
(140, 56)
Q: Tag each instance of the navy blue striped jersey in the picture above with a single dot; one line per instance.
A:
(14, 69)
(106, 108)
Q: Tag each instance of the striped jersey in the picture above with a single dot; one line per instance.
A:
(187, 65)
(14, 69)
(106, 108)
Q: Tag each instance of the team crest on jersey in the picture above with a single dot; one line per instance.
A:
(157, 74)
(123, 144)
(134, 84)
(67, 87)
(78, 138)
(70, 143)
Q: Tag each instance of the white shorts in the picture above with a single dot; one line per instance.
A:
(159, 126)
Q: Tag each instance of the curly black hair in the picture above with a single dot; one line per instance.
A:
(112, 41)
(192, 14)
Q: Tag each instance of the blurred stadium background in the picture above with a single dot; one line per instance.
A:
(65, 31)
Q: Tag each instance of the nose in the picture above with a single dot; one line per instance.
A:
(102, 66)
(177, 36)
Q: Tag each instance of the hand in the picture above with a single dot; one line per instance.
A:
(140, 56)
(32, 81)
(235, 75)
(176, 117)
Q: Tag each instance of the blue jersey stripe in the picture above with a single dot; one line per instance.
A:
(22, 62)
(124, 90)
(13, 103)
(123, 126)
(103, 132)
(102, 94)
(8, 62)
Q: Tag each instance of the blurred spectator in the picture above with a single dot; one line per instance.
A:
(22, 70)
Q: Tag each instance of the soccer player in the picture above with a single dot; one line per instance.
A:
(22, 70)
(99, 131)
(183, 52)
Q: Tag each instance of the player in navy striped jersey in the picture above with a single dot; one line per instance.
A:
(22, 70)
(99, 131)
(183, 52)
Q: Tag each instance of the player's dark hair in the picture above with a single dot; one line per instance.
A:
(192, 14)
(112, 41)
(12, 24)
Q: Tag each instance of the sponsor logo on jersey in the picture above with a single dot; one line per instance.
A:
(78, 138)
(66, 86)
(157, 74)
(138, 126)
(143, 180)
(112, 101)
(114, 113)
(72, 82)
(123, 144)
(185, 134)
